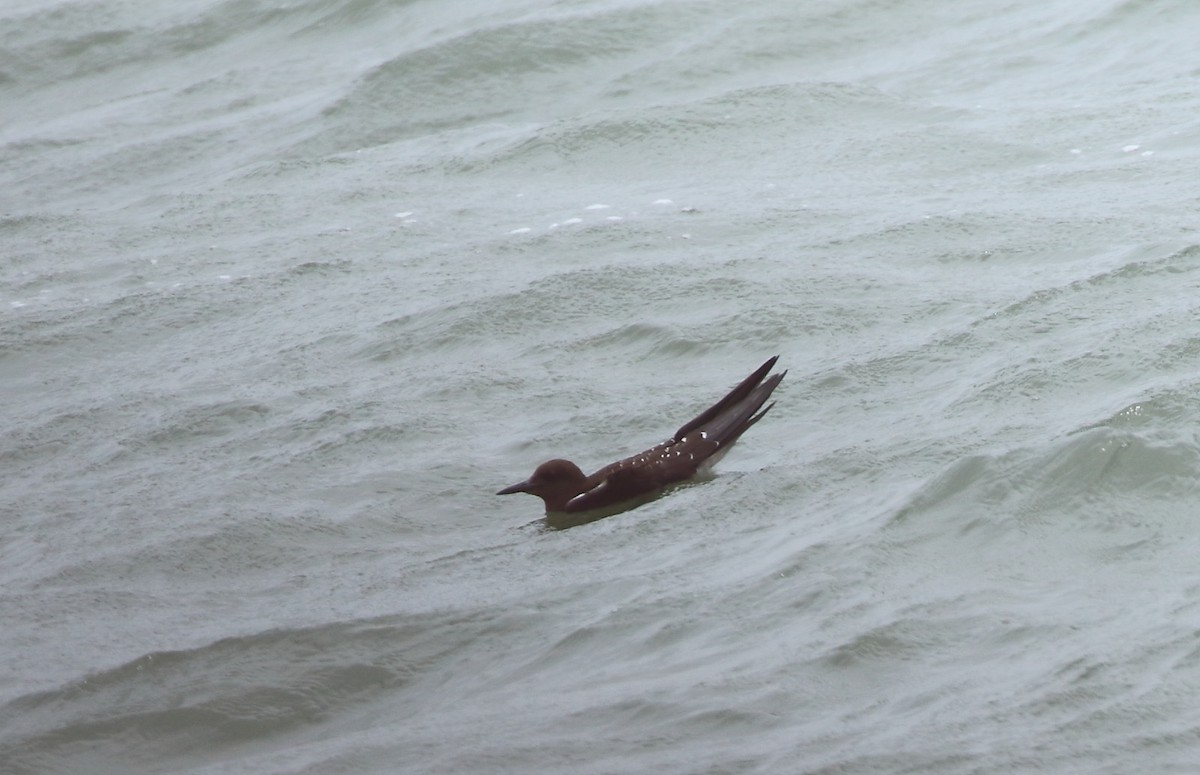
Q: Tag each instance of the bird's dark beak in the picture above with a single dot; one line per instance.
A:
(518, 487)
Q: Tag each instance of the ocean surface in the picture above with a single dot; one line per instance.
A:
(290, 288)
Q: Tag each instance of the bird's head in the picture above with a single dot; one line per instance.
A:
(555, 482)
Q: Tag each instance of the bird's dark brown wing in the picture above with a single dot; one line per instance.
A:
(642, 474)
(707, 436)
(738, 394)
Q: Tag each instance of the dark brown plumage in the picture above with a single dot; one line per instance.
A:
(698, 444)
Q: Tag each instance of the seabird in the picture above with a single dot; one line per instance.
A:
(695, 446)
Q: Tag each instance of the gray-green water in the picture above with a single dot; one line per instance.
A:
(288, 290)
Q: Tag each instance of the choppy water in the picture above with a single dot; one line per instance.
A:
(288, 290)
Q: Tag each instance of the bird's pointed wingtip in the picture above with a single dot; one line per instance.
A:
(769, 364)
